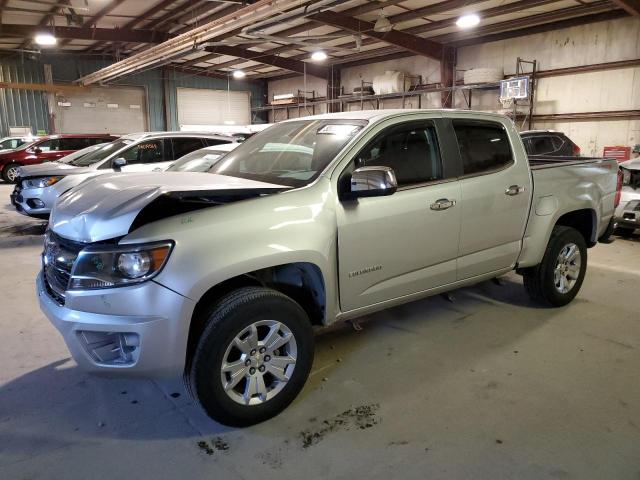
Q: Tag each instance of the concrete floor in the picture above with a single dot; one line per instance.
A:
(487, 387)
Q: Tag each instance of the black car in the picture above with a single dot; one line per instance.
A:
(548, 142)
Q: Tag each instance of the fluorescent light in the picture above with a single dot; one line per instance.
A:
(45, 39)
(467, 21)
(239, 74)
(319, 56)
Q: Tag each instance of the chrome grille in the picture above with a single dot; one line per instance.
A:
(57, 262)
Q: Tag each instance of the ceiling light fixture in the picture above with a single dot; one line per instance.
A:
(239, 74)
(382, 24)
(468, 21)
(45, 39)
(319, 56)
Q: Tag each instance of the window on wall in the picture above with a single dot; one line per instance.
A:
(484, 146)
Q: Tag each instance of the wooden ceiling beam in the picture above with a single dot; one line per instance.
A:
(632, 7)
(406, 41)
(83, 33)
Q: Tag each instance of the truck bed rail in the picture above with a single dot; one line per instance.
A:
(541, 161)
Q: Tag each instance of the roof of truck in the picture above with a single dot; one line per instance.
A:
(374, 115)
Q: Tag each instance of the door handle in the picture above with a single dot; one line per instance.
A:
(514, 190)
(442, 204)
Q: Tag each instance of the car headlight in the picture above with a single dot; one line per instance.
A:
(106, 267)
(41, 182)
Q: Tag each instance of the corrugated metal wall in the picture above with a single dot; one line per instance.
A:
(22, 108)
(19, 106)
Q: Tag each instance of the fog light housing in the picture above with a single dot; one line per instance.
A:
(35, 203)
(111, 348)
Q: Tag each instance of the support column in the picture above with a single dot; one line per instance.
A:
(51, 99)
(447, 75)
(333, 88)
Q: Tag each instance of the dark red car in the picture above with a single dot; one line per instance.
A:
(46, 149)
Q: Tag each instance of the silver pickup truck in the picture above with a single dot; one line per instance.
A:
(221, 276)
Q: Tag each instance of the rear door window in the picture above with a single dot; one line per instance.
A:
(73, 143)
(183, 146)
(484, 146)
(542, 145)
(147, 151)
(212, 142)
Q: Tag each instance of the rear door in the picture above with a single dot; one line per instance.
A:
(404, 243)
(70, 145)
(495, 192)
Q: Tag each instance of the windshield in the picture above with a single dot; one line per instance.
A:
(198, 161)
(101, 153)
(290, 153)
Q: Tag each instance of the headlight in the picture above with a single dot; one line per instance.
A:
(106, 267)
(40, 182)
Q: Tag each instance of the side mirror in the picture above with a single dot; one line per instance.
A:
(372, 182)
(118, 163)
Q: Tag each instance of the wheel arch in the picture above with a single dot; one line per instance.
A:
(584, 220)
(302, 281)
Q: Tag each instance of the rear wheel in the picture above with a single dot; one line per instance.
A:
(10, 172)
(253, 357)
(558, 278)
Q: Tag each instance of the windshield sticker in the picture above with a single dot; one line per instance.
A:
(341, 129)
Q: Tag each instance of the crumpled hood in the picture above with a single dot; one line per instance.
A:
(52, 168)
(105, 207)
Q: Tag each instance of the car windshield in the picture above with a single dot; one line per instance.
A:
(291, 153)
(198, 161)
(101, 153)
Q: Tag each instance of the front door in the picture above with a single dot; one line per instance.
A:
(407, 242)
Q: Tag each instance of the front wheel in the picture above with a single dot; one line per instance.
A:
(10, 172)
(253, 357)
(558, 278)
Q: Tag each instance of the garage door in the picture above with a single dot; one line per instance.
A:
(199, 106)
(117, 110)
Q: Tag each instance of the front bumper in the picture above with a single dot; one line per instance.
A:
(628, 214)
(151, 320)
(34, 202)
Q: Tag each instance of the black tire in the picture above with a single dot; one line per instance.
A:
(230, 316)
(539, 280)
(6, 175)
(624, 231)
